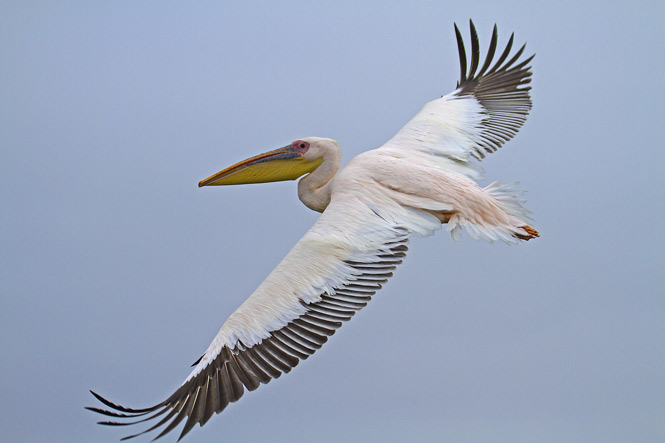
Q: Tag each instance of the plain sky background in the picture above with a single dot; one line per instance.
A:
(116, 271)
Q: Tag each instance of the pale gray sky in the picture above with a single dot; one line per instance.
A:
(116, 271)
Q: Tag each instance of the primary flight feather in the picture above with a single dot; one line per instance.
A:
(421, 178)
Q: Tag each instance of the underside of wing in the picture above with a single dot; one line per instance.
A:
(489, 106)
(243, 356)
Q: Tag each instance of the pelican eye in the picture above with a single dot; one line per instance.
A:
(300, 146)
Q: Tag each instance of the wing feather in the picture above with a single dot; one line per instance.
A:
(486, 110)
(245, 356)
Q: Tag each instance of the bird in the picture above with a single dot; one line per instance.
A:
(425, 176)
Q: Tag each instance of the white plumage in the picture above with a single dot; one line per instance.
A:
(421, 178)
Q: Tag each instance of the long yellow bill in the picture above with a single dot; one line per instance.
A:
(278, 165)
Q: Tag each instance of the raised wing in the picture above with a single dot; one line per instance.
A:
(331, 273)
(485, 111)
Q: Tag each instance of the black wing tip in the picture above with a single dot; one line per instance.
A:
(462, 55)
(121, 408)
(500, 86)
(475, 50)
(469, 76)
(112, 413)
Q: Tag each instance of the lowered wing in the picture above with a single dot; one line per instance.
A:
(330, 274)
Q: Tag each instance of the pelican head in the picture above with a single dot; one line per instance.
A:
(290, 162)
(316, 158)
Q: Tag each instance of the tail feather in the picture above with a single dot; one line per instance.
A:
(509, 198)
(509, 229)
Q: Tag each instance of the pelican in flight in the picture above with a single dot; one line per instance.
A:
(421, 178)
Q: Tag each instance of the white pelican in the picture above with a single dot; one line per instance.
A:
(421, 178)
